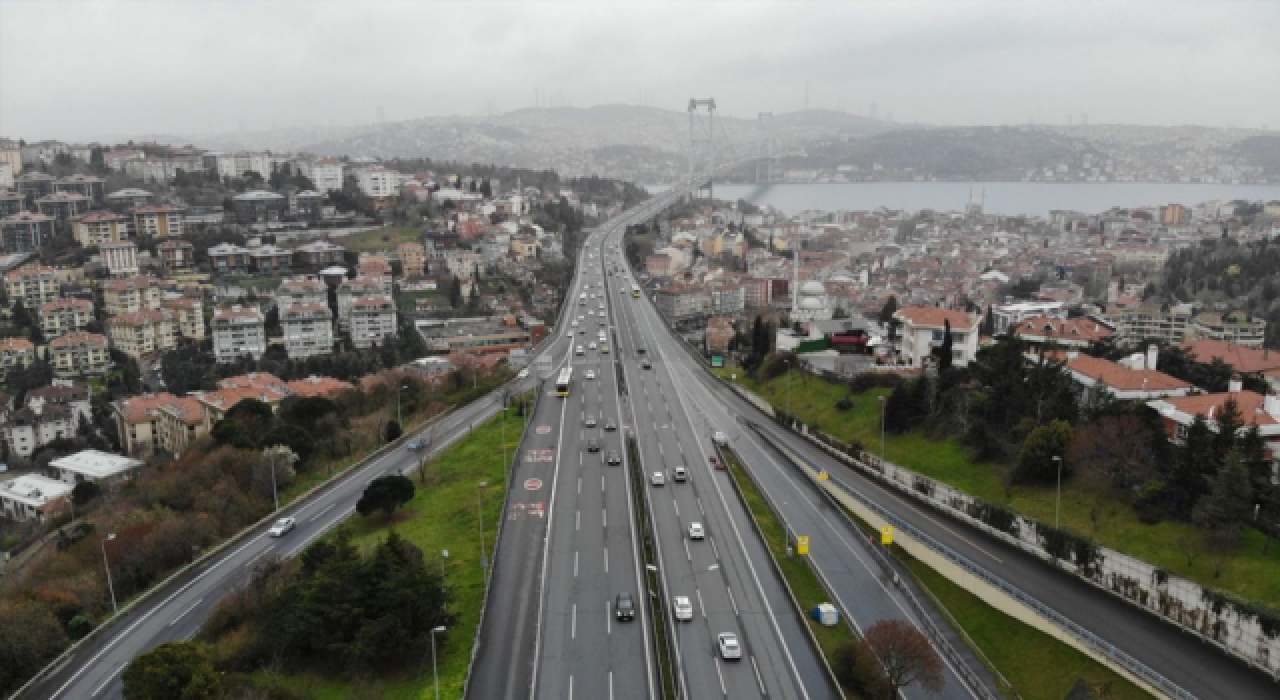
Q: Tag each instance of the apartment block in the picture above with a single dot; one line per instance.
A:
(63, 206)
(33, 284)
(91, 186)
(238, 332)
(159, 221)
(177, 255)
(62, 316)
(308, 329)
(373, 319)
(120, 259)
(25, 231)
(349, 291)
(131, 294)
(301, 290)
(1234, 328)
(413, 259)
(16, 353)
(100, 227)
(79, 353)
(188, 316)
(158, 422)
(141, 334)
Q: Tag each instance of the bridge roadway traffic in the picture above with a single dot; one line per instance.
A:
(1197, 667)
(176, 612)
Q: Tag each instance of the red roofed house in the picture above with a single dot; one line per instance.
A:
(156, 422)
(1263, 411)
(1096, 375)
(1238, 357)
(923, 328)
(1041, 332)
(319, 386)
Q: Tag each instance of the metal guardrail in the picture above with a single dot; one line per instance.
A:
(1089, 639)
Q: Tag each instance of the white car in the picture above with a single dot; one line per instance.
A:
(730, 650)
(683, 608)
(681, 474)
(574, 324)
(282, 527)
(522, 374)
(591, 346)
(591, 374)
(696, 532)
(578, 351)
(658, 479)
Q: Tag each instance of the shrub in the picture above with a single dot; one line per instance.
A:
(844, 404)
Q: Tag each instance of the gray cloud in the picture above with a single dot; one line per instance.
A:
(107, 69)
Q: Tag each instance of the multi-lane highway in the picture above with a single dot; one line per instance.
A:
(177, 611)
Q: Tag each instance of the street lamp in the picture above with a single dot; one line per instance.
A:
(480, 519)
(788, 361)
(399, 389)
(1057, 507)
(434, 671)
(882, 412)
(275, 493)
(107, 565)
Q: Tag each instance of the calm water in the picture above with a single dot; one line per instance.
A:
(1009, 198)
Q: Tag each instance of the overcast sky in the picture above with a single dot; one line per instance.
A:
(80, 70)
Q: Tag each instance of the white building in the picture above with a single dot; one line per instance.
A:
(308, 330)
(924, 328)
(326, 174)
(93, 465)
(237, 332)
(32, 497)
(1006, 315)
(120, 259)
(349, 291)
(377, 181)
(373, 319)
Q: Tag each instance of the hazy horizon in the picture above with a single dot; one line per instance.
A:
(113, 70)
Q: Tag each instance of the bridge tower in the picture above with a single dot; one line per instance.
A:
(766, 148)
(702, 139)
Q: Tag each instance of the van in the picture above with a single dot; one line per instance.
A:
(720, 439)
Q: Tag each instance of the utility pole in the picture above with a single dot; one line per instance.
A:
(107, 565)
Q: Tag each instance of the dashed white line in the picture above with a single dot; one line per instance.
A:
(184, 613)
(700, 509)
(579, 486)
(759, 680)
(732, 601)
(721, 677)
(109, 679)
(606, 560)
(570, 687)
(687, 554)
(575, 565)
(259, 555)
(573, 622)
(608, 617)
(577, 520)
(604, 517)
(676, 505)
(326, 509)
(701, 607)
(714, 548)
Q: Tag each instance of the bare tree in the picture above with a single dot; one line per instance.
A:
(906, 656)
(1117, 447)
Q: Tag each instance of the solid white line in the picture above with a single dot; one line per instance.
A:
(701, 607)
(676, 505)
(700, 509)
(687, 555)
(109, 679)
(732, 602)
(759, 680)
(577, 520)
(604, 517)
(573, 624)
(184, 613)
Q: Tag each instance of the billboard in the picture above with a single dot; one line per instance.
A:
(717, 361)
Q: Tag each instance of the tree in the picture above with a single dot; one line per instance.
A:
(1196, 464)
(455, 293)
(945, 350)
(1036, 461)
(857, 670)
(30, 637)
(173, 671)
(1122, 448)
(274, 470)
(393, 431)
(386, 493)
(84, 493)
(1228, 505)
(888, 310)
(905, 655)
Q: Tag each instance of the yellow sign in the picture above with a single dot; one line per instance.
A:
(886, 535)
(823, 475)
(802, 545)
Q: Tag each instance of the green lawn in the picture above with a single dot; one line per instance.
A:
(442, 515)
(1247, 572)
(1038, 666)
(379, 239)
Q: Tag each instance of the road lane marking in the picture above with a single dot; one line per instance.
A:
(608, 617)
(676, 505)
(701, 608)
(573, 624)
(184, 613)
(732, 601)
(687, 554)
(258, 556)
(570, 687)
(700, 508)
(579, 486)
(322, 512)
(109, 679)
(606, 560)
(721, 677)
(714, 548)
(602, 482)
(759, 680)
(577, 520)
(604, 517)
(611, 685)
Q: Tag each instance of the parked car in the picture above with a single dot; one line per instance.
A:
(730, 650)
(282, 527)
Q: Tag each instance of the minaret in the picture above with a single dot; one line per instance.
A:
(795, 280)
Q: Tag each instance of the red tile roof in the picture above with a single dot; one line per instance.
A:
(1120, 377)
(1240, 358)
(932, 316)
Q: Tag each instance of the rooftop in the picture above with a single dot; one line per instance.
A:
(94, 464)
(34, 490)
(1240, 358)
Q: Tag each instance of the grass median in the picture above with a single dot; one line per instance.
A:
(445, 513)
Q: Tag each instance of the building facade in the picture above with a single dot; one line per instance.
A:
(62, 316)
(33, 284)
(141, 334)
(159, 221)
(238, 332)
(308, 329)
(373, 320)
(121, 296)
(100, 227)
(120, 259)
(923, 329)
(25, 231)
(79, 353)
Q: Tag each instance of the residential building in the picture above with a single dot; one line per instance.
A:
(1046, 332)
(308, 205)
(258, 206)
(301, 290)
(120, 259)
(63, 206)
(413, 259)
(130, 294)
(1244, 360)
(33, 497)
(924, 327)
(229, 258)
(327, 174)
(216, 404)
(1237, 328)
(32, 427)
(1147, 323)
(1006, 315)
(350, 290)
(11, 202)
(129, 198)
(1255, 409)
(473, 335)
(318, 254)
(377, 268)
(378, 182)
(16, 353)
(158, 422)
(372, 321)
(318, 386)
(34, 184)
(727, 298)
(33, 284)
(63, 392)
(95, 466)
(719, 333)
(141, 334)
(188, 315)
(269, 258)
(62, 316)
(99, 227)
(237, 332)
(308, 329)
(159, 220)
(91, 186)
(24, 232)
(79, 353)
(11, 155)
(679, 302)
(6, 176)
(177, 255)
(1100, 378)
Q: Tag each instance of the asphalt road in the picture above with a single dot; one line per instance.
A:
(176, 612)
(1194, 665)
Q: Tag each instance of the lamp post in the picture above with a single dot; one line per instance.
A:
(882, 411)
(788, 361)
(480, 519)
(434, 671)
(275, 493)
(107, 565)
(1057, 506)
(399, 389)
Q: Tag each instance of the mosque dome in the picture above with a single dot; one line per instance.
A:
(812, 288)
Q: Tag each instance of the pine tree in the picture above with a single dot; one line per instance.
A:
(1228, 504)
(944, 352)
(1196, 459)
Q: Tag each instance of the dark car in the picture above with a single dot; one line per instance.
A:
(613, 459)
(610, 426)
(593, 445)
(624, 607)
(646, 365)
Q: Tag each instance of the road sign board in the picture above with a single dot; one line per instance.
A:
(717, 361)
